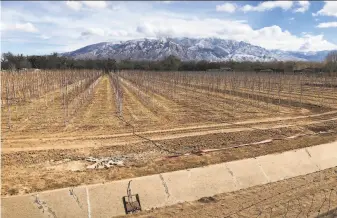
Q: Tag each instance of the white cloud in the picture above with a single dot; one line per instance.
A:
(26, 27)
(95, 4)
(44, 36)
(164, 2)
(329, 9)
(272, 37)
(23, 27)
(152, 30)
(268, 5)
(275, 37)
(226, 7)
(93, 31)
(118, 33)
(317, 42)
(75, 5)
(78, 5)
(327, 25)
(146, 29)
(116, 8)
(304, 6)
(138, 20)
(103, 33)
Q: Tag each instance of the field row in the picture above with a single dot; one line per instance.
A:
(91, 103)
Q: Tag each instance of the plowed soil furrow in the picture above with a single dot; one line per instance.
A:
(192, 107)
(227, 107)
(99, 114)
(43, 114)
(163, 107)
(231, 103)
(165, 134)
(138, 113)
(184, 107)
(284, 94)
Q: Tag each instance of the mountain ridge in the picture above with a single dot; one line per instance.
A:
(190, 49)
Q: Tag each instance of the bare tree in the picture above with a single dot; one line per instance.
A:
(331, 61)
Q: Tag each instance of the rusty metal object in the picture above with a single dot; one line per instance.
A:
(131, 202)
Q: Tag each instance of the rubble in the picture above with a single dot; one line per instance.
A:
(105, 162)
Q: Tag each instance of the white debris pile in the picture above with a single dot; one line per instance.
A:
(105, 162)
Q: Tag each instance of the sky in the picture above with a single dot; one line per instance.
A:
(42, 27)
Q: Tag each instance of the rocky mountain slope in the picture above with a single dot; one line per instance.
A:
(187, 49)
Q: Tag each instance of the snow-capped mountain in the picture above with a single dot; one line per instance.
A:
(189, 49)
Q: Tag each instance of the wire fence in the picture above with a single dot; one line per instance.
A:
(322, 203)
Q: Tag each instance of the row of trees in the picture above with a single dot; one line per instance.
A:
(331, 61)
(68, 90)
(171, 63)
(270, 92)
(53, 61)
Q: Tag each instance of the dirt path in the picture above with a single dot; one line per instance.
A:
(123, 138)
(31, 171)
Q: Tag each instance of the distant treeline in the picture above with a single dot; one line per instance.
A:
(171, 63)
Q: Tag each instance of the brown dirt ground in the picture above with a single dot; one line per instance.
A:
(31, 171)
(40, 153)
(146, 111)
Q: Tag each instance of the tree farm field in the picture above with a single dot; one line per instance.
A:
(152, 122)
